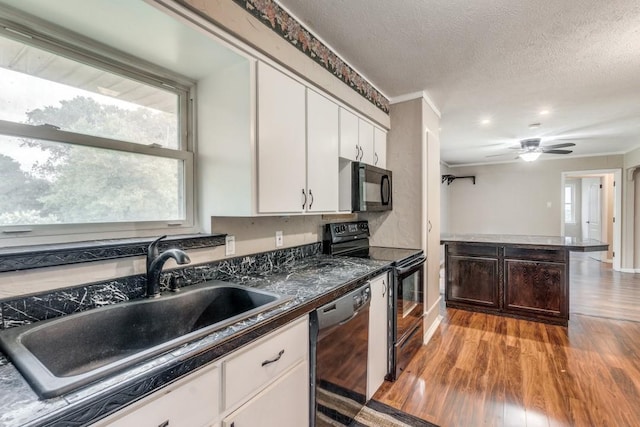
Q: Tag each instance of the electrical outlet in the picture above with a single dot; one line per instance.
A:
(230, 245)
(279, 239)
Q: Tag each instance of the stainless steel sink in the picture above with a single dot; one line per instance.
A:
(59, 355)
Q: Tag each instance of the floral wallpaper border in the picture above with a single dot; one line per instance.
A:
(273, 16)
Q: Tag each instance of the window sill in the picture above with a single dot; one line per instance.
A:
(38, 256)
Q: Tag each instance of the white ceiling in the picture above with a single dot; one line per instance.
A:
(502, 60)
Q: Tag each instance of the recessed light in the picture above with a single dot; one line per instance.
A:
(485, 121)
(544, 112)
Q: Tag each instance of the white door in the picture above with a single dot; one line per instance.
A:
(322, 153)
(591, 208)
(349, 148)
(378, 327)
(281, 142)
(365, 139)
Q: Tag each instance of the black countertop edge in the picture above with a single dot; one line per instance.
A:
(38, 256)
(104, 404)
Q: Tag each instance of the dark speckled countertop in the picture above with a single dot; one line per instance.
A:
(311, 281)
(554, 242)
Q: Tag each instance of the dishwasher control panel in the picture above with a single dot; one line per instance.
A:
(345, 307)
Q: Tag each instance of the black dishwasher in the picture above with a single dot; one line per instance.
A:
(339, 338)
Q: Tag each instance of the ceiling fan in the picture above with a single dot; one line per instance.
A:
(530, 149)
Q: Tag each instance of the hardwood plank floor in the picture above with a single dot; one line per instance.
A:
(484, 370)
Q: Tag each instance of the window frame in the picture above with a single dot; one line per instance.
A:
(89, 52)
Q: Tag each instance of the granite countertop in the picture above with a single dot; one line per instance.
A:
(554, 242)
(311, 282)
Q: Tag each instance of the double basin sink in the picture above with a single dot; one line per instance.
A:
(59, 355)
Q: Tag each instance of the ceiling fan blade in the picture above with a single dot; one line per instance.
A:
(557, 151)
(563, 145)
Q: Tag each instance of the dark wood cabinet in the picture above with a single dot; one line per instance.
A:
(473, 280)
(535, 288)
(530, 283)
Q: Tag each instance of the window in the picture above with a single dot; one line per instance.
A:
(570, 203)
(85, 140)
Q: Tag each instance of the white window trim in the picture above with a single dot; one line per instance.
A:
(79, 48)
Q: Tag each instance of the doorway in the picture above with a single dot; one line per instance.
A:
(591, 203)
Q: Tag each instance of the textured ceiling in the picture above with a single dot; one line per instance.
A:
(502, 60)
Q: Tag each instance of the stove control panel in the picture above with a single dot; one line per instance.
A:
(355, 229)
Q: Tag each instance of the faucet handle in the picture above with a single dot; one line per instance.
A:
(152, 250)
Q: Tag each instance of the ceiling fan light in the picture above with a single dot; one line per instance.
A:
(530, 156)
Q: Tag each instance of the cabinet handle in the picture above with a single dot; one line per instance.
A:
(305, 198)
(275, 359)
(429, 226)
(164, 424)
(311, 196)
(361, 152)
(357, 152)
(384, 288)
(375, 162)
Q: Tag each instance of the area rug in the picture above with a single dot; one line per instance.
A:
(338, 411)
(376, 414)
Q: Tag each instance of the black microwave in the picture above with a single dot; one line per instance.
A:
(370, 188)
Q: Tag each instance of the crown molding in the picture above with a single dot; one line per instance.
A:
(416, 95)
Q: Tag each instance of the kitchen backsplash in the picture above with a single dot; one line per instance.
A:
(21, 311)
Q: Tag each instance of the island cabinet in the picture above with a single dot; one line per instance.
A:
(530, 283)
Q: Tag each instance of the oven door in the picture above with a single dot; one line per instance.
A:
(409, 296)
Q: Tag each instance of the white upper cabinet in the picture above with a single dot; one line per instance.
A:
(281, 142)
(349, 144)
(365, 139)
(361, 141)
(379, 148)
(322, 153)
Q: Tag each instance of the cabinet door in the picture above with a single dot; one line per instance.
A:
(378, 327)
(365, 139)
(322, 153)
(192, 402)
(472, 280)
(285, 403)
(281, 142)
(535, 288)
(349, 148)
(380, 148)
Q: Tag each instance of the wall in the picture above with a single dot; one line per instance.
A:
(444, 201)
(631, 213)
(402, 227)
(515, 198)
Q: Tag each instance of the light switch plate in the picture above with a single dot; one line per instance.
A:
(230, 245)
(279, 239)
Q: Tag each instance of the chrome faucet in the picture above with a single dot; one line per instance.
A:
(155, 262)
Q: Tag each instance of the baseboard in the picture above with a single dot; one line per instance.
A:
(628, 270)
(436, 322)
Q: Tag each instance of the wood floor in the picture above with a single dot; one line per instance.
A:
(484, 370)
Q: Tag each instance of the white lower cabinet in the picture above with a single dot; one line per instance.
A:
(285, 403)
(378, 327)
(264, 384)
(190, 402)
